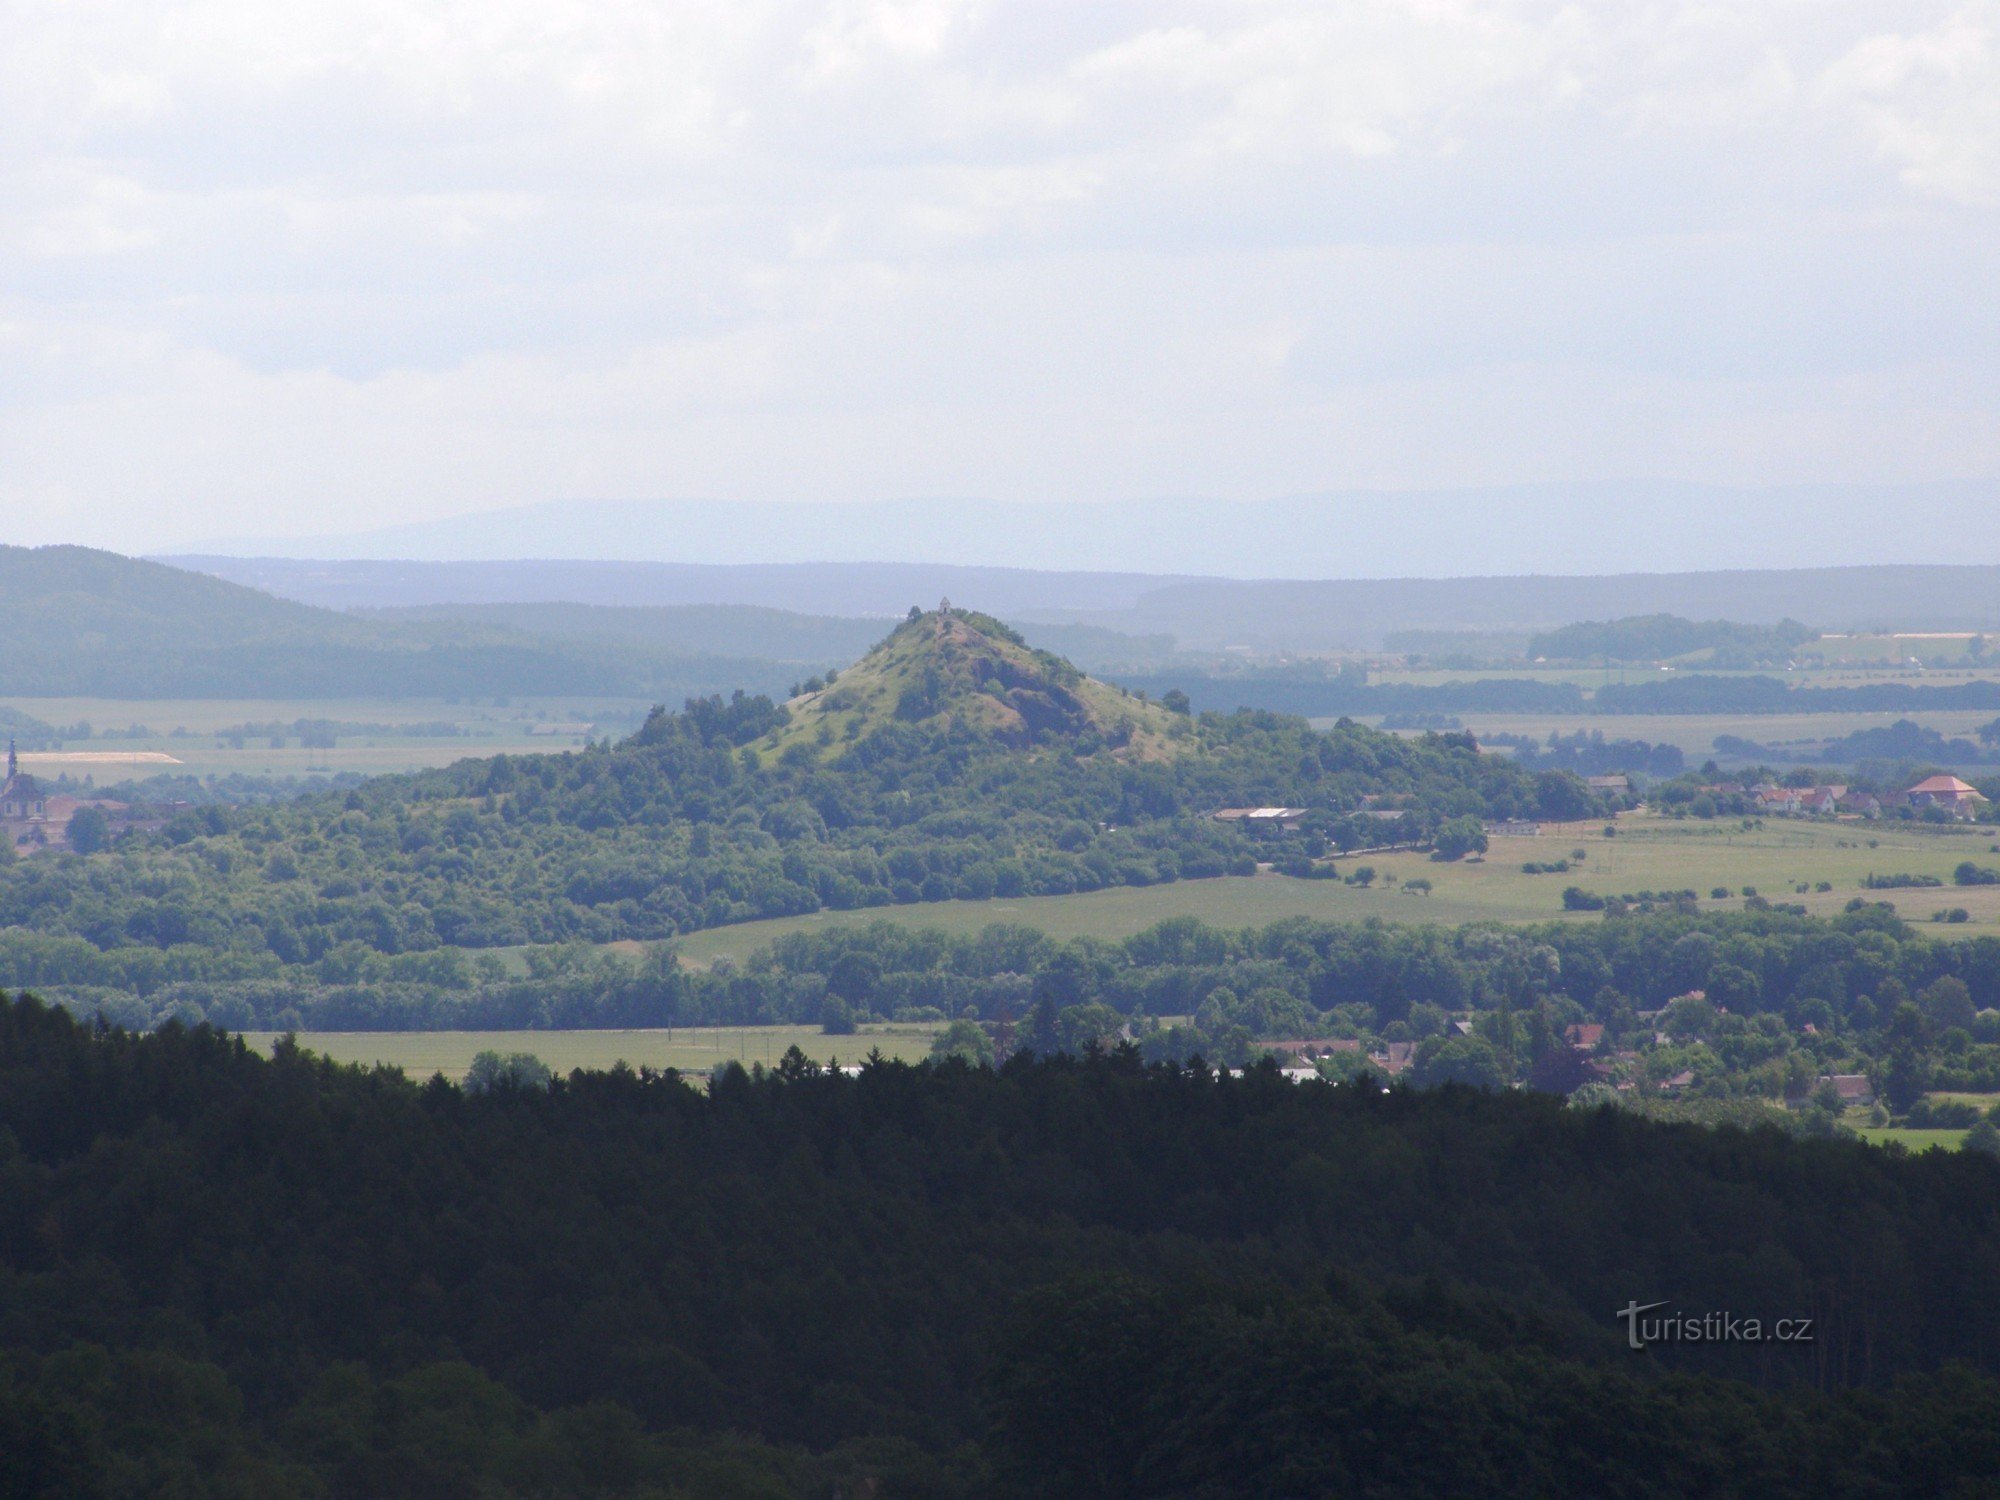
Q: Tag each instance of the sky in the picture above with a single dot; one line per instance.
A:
(329, 265)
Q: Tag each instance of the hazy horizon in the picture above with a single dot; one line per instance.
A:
(1581, 530)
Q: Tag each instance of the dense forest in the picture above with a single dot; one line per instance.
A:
(222, 1275)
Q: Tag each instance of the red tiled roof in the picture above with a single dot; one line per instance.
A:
(1944, 784)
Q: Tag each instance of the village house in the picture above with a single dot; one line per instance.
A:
(1809, 801)
(1394, 1057)
(1959, 798)
(1853, 1088)
(1615, 785)
(1776, 801)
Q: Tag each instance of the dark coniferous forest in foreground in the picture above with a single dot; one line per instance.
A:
(226, 1275)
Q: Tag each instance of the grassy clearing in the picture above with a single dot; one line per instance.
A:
(1648, 854)
(692, 1049)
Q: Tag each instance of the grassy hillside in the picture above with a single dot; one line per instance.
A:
(962, 670)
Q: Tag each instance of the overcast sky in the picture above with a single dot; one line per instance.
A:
(308, 265)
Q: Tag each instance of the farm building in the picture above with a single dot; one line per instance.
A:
(1853, 1088)
(1959, 798)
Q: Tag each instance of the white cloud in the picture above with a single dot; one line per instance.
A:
(396, 257)
(1931, 100)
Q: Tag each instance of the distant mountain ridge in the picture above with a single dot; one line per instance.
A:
(1200, 613)
(85, 623)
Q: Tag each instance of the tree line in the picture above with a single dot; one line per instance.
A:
(1754, 1005)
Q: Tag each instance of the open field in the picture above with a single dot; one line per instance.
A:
(1648, 854)
(692, 1049)
(191, 731)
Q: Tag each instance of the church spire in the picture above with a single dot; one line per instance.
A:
(13, 760)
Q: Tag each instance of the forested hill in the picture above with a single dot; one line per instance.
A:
(221, 1275)
(80, 622)
(1030, 781)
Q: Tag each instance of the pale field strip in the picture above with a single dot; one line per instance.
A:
(520, 726)
(33, 758)
(691, 1049)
